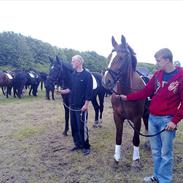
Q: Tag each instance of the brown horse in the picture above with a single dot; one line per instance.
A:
(121, 77)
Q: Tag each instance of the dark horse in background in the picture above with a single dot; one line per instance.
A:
(33, 80)
(121, 77)
(43, 77)
(6, 82)
(25, 79)
(61, 72)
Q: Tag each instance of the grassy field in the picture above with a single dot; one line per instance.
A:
(33, 149)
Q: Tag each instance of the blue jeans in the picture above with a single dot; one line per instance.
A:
(162, 148)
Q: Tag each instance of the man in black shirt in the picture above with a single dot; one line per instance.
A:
(80, 96)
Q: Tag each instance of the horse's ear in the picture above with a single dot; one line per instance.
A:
(59, 62)
(57, 59)
(51, 60)
(114, 43)
(123, 40)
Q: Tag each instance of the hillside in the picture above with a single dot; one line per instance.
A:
(18, 51)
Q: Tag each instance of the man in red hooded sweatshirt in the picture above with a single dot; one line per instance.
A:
(166, 111)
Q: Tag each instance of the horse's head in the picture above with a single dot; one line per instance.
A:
(60, 71)
(121, 65)
(55, 68)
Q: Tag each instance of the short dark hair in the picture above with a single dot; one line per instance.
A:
(165, 53)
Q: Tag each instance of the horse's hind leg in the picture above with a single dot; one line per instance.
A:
(145, 117)
(30, 90)
(52, 94)
(96, 108)
(101, 101)
(146, 145)
(47, 94)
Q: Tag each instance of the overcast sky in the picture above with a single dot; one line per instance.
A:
(89, 25)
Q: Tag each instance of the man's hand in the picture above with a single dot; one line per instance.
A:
(121, 97)
(63, 92)
(85, 106)
(171, 126)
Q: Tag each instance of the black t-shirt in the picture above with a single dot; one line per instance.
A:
(81, 89)
(168, 76)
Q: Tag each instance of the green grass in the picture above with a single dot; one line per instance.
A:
(25, 98)
(33, 149)
(26, 132)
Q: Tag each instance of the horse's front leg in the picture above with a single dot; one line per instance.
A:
(119, 130)
(66, 105)
(136, 143)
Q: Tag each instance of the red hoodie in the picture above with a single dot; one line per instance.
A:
(167, 100)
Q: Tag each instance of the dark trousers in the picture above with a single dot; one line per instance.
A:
(79, 129)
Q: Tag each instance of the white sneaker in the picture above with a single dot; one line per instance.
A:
(150, 179)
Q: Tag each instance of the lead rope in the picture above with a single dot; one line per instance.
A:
(75, 110)
(131, 124)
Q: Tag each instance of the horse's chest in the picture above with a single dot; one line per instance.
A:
(127, 110)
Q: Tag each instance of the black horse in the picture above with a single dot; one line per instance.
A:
(33, 80)
(19, 81)
(43, 77)
(60, 72)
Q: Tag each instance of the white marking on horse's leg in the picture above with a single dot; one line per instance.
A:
(117, 155)
(95, 125)
(100, 123)
(136, 154)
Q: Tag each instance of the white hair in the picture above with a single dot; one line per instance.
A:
(78, 57)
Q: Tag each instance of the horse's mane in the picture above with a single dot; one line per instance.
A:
(66, 77)
(128, 68)
(133, 58)
(68, 66)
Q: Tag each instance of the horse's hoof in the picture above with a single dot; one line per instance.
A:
(100, 126)
(136, 165)
(147, 146)
(65, 133)
(94, 126)
(116, 162)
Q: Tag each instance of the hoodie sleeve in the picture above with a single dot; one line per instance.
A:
(147, 91)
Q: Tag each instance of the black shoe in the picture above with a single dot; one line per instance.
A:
(86, 152)
(75, 149)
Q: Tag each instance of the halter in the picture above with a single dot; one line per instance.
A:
(54, 79)
(116, 76)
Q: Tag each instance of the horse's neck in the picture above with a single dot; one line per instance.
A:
(132, 82)
(67, 78)
(137, 82)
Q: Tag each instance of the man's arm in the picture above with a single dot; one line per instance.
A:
(64, 91)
